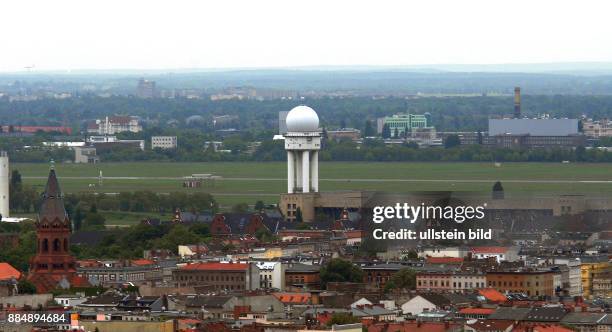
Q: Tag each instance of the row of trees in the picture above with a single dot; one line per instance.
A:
(448, 114)
(82, 208)
(144, 201)
(340, 270)
(371, 150)
(25, 199)
(22, 198)
(131, 241)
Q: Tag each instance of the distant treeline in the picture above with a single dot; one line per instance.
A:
(257, 117)
(24, 199)
(371, 150)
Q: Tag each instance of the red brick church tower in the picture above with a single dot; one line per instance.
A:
(53, 266)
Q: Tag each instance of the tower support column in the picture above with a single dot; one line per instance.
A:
(315, 171)
(290, 171)
(298, 168)
(306, 171)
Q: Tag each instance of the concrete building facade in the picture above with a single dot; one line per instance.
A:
(532, 283)
(164, 142)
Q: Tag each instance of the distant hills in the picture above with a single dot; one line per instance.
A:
(587, 78)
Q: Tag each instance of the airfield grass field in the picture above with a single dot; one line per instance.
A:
(250, 181)
(266, 180)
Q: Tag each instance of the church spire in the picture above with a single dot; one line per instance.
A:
(52, 206)
(53, 265)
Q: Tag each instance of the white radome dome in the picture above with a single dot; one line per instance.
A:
(302, 118)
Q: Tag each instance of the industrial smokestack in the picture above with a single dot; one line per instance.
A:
(517, 103)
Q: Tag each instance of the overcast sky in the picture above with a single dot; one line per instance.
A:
(150, 34)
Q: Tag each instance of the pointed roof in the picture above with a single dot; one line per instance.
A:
(7, 272)
(52, 206)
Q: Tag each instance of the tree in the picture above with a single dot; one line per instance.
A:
(368, 131)
(580, 153)
(402, 279)
(15, 179)
(77, 220)
(200, 229)
(94, 221)
(386, 131)
(298, 215)
(498, 191)
(480, 138)
(396, 133)
(240, 208)
(259, 205)
(412, 254)
(264, 235)
(340, 270)
(26, 287)
(16, 194)
(452, 141)
(342, 318)
(178, 235)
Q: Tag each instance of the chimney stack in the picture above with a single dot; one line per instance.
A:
(517, 102)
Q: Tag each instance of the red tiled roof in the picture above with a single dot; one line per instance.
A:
(120, 119)
(77, 281)
(216, 267)
(413, 326)
(303, 298)
(541, 328)
(444, 260)
(492, 295)
(489, 250)
(88, 263)
(476, 311)
(354, 234)
(7, 272)
(141, 262)
(34, 129)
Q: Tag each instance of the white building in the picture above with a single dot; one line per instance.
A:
(271, 275)
(69, 300)
(508, 254)
(302, 142)
(113, 141)
(457, 252)
(216, 146)
(571, 273)
(601, 128)
(418, 304)
(114, 125)
(163, 142)
(466, 281)
(361, 302)
(85, 155)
